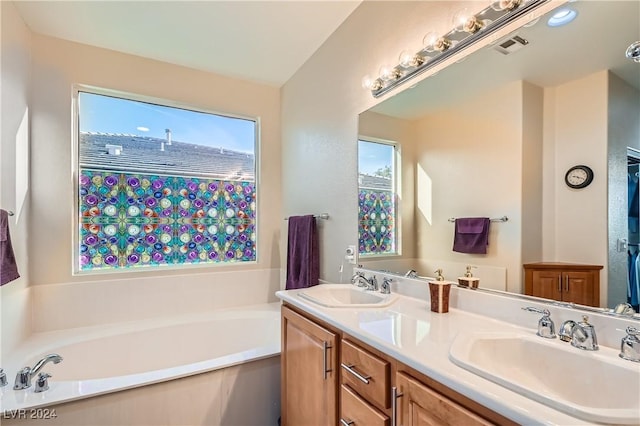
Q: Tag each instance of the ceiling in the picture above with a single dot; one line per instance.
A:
(596, 40)
(260, 41)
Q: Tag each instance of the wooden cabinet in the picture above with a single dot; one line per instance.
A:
(419, 405)
(312, 395)
(565, 282)
(309, 372)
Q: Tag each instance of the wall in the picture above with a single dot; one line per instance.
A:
(321, 103)
(89, 299)
(15, 64)
(469, 153)
(623, 131)
(577, 229)
(380, 126)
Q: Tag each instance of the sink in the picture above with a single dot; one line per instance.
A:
(594, 386)
(346, 296)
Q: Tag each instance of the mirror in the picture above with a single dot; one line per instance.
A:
(494, 135)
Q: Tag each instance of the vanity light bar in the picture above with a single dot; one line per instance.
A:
(456, 40)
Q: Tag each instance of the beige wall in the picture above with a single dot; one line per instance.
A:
(15, 71)
(42, 71)
(470, 153)
(575, 227)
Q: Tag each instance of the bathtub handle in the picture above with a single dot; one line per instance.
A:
(325, 369)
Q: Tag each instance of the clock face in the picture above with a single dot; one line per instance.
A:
(579, 177)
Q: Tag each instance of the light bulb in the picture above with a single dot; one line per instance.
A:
(387, 73)
(505, 4)
(408, 59)
(434, 43)
(370, 83)
(466, 21)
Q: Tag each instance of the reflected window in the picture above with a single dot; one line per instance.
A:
(377, 198)
(162, 186)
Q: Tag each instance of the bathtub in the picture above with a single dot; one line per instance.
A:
(109, 359)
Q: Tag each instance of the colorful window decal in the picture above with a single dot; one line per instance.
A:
(376, 212)
(136, 220)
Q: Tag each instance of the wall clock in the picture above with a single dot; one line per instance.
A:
(579, 177)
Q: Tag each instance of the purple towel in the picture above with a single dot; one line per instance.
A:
(303, 257)
(8, 267)
(471, 235)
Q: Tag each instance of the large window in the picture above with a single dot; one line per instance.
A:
(161, 186)
(377, 203)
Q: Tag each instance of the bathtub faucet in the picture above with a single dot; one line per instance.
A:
(23, 378)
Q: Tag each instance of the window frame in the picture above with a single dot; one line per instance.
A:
(75, 174)
(396, 188)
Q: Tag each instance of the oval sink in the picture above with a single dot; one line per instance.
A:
(346, 296)
(594, 386)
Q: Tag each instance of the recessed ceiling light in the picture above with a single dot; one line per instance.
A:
(562, 17)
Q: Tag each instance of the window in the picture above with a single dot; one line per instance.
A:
(377, 204)
(161, 186)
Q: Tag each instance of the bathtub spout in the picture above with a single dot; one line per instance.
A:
(23, 378)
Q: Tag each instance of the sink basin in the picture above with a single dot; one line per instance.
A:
(594, 386)
(346, 296)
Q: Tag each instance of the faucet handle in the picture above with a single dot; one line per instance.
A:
(3, 378)
(630, 345)
(546, 327)
(42, 384)
(385, 287)
(23, 379)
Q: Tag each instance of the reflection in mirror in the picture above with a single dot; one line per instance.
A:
(495, 134)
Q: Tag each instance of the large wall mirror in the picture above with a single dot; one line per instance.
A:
(495, 134)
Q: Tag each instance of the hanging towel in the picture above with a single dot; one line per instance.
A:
(471, 235)
(8, 267)
(303, 257)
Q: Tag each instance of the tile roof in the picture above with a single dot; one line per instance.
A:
(143, 154)
(378, 183)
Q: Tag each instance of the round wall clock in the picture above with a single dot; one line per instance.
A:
(579, 177)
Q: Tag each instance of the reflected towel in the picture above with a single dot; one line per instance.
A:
(8, 267)
(303, 257)
(471, 235)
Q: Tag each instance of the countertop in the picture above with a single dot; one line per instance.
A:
(408, 331)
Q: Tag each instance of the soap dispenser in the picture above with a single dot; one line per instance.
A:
(439, 293)
(468, 280)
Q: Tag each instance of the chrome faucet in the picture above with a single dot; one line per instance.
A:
(583, 335)
(361, 281)
(630, 345)
(385, 287)
(24, 376)
(3, 378)
(411, 273)
(546, 327)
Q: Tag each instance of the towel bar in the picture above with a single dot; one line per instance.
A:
(495, 219)
(317, 216)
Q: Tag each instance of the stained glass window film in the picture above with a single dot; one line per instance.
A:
(377, 200)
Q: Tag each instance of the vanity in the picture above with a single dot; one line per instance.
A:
(346, 361)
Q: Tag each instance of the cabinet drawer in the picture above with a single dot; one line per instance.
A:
(365, 373)
(356, 412)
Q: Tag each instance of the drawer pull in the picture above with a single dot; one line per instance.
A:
(325, 369)
(344, 422)
(394, 405)
(350, 369)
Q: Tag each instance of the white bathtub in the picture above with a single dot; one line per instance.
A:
(100, 360)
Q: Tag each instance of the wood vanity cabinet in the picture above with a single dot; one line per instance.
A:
(357, 390)
(309, 372)
(566, 282)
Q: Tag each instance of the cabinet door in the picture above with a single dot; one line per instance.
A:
(309, 372)
(547, 284)
(577, 287)
(419, 405)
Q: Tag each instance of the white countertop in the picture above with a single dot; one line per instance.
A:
(408, 331)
